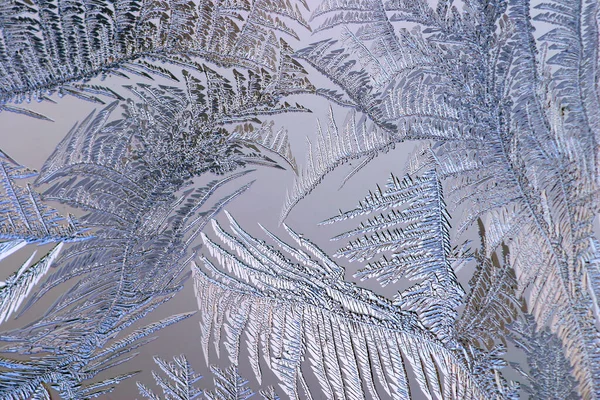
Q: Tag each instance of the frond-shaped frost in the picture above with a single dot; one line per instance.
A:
(23, 379)
(413, 225)
(570, 44)
(533, 182)
(59, 45)
(492, 303)
(549, 372)
(269, 394)
(132, 177)
(404, 80)
(358, 344)
(263, 136)
(41, 394)
(515, 118)
(229, 385)
(427, 83)
(333, 148)
(23, 214)
(18, 286)
(180, 381)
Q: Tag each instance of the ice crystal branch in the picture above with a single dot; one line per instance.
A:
(23, 214)
(549, 371)
(352, 337)
(492, 303)
(412, 223)
(335, 147)
(229, 385)
(132, 177)
(512, 117)
(20, 284)
(180, 381)
(51, 46)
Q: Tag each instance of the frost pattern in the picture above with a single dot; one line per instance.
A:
(509, 124)
(23, 214)
(181, 383)
(492, 304)
(510, 115)
(549, 371)
(26, 219)
(288, 310)
(333, 148)
(57, 45)
(132, 176)
(413, 224)
(20, 284)
(229, 385)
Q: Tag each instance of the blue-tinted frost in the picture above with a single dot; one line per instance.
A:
(505, 94)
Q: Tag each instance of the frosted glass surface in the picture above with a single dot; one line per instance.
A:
(326, 199)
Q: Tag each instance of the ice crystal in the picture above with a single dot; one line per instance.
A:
(502, 96)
